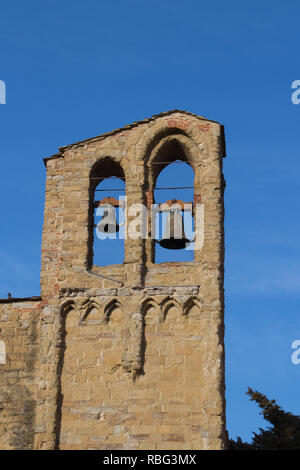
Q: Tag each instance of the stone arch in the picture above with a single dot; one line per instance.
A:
(148, 330)
(66, 306)
(90, 368)
(110, 306)
(104, 167)
(112, 340)
(166, 350)
(148, 303)
(92, 309)
(168, 304)
(164, 149)
(65, 310)
(156, 139)
(189, 304)
(159, 132)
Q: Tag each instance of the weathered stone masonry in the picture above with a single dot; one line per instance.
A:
(133, 359)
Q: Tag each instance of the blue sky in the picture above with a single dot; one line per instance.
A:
(76, 69)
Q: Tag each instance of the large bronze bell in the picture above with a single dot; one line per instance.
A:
(108, 223)
(174, 237)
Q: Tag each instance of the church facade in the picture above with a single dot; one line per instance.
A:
(126, 356)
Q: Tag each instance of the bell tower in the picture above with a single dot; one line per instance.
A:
(131, 355)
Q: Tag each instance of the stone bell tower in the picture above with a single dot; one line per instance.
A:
(127, 356)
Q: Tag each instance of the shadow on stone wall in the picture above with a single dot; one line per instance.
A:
(17, 401)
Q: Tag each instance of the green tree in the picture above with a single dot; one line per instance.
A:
(284, 434)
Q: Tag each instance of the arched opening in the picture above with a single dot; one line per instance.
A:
(107, 193)
(93, 315)
(174, 182)
(90, 374)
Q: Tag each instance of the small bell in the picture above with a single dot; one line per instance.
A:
(174, 237)
(108, 223)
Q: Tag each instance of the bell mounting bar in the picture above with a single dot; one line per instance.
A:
(162, 207)
(181, 205)
(109, 200)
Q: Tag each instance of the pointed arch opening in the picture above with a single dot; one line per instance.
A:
(93, 314)
(110, 307)
(106, 214)
(173, 182)
(66, 309)
(171, 304)
(191, 305)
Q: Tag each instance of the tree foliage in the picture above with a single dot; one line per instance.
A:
(283, 434)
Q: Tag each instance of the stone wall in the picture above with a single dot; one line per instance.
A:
(18, 332)
(132, 355)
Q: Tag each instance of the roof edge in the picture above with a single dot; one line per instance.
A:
(20, 299)
(52, 157)
(124, 128)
